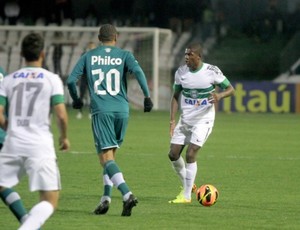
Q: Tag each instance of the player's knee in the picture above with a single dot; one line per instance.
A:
(173, 156)
(191, 154)
(190, 158)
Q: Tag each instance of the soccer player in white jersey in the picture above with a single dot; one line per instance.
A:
(28, 94)
(194, 93)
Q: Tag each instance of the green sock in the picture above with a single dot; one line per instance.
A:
(108, 185)
(13, 200)
(116, 177)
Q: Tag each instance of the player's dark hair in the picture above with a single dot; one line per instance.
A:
(107, 33)
(32, 46)
(196, 48)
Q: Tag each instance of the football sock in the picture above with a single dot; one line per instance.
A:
(108, 185)
(179, 167)
(191, 171)
(37, 216)
(13, 200)
(117, 178)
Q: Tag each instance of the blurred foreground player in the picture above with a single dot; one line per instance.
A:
(29, 94)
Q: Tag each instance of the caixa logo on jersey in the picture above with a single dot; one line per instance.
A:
(196, 102)
(28, 75)
(106, 60)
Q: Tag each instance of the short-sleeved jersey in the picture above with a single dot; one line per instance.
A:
(195, 87)
(29, 94)
(2, 132)
(106, 68)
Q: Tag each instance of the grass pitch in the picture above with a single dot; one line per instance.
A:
(252, 159)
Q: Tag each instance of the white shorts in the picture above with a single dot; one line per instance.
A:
(195, 134)
(43, 173)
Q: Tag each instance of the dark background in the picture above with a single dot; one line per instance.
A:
(253, 36)
(156, 12)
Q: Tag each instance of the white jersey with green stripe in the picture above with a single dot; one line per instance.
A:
(195, 87)
(29, 94)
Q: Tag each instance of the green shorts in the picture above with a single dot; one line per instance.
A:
(109, 130)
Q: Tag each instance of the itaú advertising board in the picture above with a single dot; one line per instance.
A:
(262, 97)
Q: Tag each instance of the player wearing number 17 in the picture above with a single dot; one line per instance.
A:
(29, 94)
(106, 68)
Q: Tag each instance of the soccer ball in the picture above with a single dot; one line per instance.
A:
(207, 195)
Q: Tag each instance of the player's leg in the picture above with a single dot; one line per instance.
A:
(108, 184)
(42, 211)
(109, 131)
(13, 200)
(10, 173)
(101, 138)
(177, 161)
(105, 200)
(44, 177)
(129, 200)
(179, 166)
(200, 133)
(117, 178)
(191, 169)
(176, 148)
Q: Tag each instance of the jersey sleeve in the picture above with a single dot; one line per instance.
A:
(220, 79)
(57, 95)
(76, 73)
(134, 67)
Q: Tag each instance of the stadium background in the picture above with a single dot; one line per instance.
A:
(253, 41)
(252, 158)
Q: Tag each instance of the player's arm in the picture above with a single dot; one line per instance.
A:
(3, 121)
(62, 121)
(134, 67)
(227, 91)
(76, 73)
(141, 78)
(174, 107)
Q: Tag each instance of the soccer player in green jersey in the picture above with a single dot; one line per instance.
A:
(194, 91)
(105, 68)
(2, 132)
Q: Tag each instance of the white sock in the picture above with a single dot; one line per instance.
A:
(107, 181)
(37, 216)
(191, 171)
(179, 167)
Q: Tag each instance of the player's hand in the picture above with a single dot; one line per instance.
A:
(77, 104)
(147, 104)
(64, 144)
(213, 98)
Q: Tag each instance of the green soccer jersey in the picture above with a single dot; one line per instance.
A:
(2, 132)
(106, 68)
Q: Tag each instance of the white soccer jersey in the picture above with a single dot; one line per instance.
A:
(29, 92)
(195, 89)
